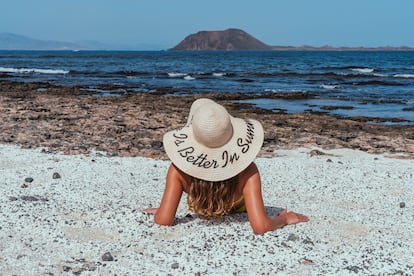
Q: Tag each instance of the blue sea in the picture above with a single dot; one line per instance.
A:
(376, 84)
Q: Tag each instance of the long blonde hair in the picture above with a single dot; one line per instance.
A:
(212, 199)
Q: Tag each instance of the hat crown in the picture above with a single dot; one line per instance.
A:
(213, 145)
(212, 125)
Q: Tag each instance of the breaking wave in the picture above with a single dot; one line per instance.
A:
(363, 70)
(177, 75)
(32, 70)
(329, 86)
(189, 78)
(405, 76)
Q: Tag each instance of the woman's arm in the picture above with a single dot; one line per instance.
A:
(259, 220)
(165, 214)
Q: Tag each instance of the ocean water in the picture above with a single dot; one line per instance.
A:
(346, 83)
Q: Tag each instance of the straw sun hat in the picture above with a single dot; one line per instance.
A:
(213, 145)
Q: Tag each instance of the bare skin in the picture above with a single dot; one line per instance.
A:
(249, 185)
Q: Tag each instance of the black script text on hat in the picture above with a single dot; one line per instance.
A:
(244, 144)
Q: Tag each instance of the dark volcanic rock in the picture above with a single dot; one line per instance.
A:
(134, 124)
(107, 257)
(56, 175)
(230, 39)
(408, 109)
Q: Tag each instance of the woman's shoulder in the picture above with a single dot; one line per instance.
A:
(181, 176)
(246, 174)
(250, 170)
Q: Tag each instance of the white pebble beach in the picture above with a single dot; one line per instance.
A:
(360, 205)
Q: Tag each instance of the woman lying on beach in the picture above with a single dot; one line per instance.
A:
(212, 161)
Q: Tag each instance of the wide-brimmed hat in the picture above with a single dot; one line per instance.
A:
(214, 145)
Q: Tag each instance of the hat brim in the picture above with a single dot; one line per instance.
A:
(215, 164)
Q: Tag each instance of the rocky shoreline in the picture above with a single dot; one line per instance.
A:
(73, 120)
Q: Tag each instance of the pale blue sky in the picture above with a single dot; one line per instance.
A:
(165, 23)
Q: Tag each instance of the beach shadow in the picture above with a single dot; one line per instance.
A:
(186, 219)
(273, 211)
(238, 217)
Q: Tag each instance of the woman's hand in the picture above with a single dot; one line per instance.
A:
(150, 210)
(292, 217)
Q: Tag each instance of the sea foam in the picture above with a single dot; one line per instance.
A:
(328, 86)
(176, 75)
(406, 76)
(363, 70)
(32, 70)
(219, 74)
(189, 78)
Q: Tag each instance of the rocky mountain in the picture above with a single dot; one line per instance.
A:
(230, 39)
(235, 39)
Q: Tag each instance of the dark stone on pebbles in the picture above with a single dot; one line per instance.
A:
(107, 257)
(174, 265)
(353, 268)
(402, 204)
(307, 261)
(28, 179)
(293, 237)
(33, 198)
(316, 153)
(56, 175)
(29, 198)
(308, 241)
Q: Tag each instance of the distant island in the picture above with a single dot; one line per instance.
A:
(230, 39)
(236, 39)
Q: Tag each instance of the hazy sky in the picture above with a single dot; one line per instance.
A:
(164, 23)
